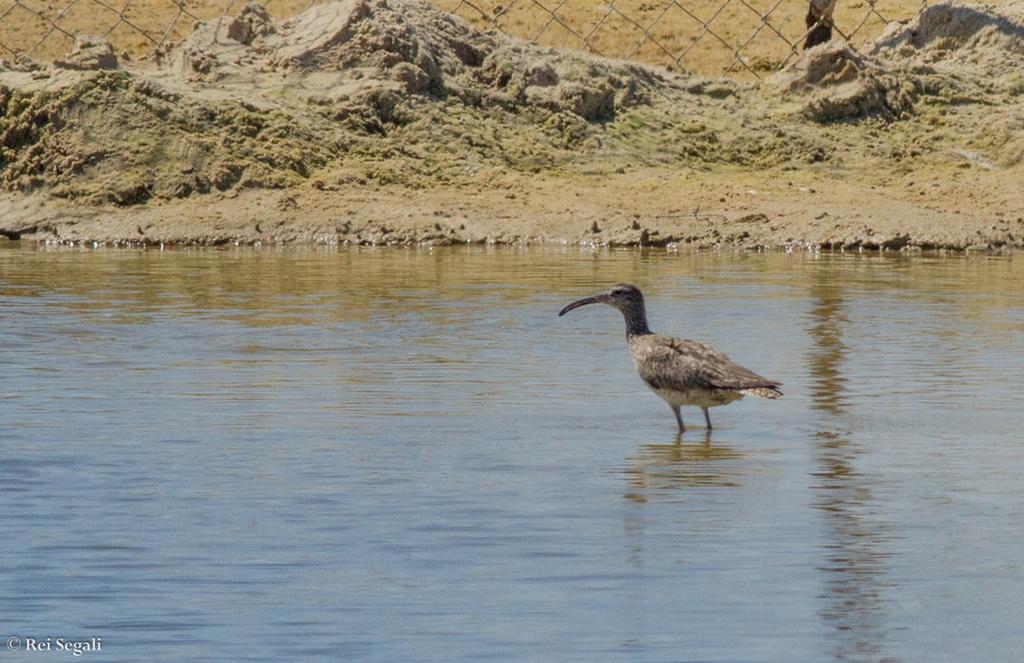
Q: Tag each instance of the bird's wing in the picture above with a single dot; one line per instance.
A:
(682, 365)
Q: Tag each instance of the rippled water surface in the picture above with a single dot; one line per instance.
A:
(406, 455)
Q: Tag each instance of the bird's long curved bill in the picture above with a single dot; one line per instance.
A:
(583, 302)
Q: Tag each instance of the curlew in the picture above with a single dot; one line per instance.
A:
(682, 372)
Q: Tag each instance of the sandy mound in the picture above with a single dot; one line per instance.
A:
(834, 82)
(978, 35)
(407, 46)
(89, 54)
(964, 56)
(248, 102)
(950, 52)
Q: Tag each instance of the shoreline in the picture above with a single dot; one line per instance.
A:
(683, 209)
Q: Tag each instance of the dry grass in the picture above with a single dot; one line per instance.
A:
(739, 37)
(44, 28)
(705, 36)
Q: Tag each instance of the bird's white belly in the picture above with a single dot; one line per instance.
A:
(698, 397)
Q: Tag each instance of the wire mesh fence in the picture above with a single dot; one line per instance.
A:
(743, 38)
(45, 29)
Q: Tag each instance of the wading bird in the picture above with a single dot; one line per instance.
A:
(682, 372)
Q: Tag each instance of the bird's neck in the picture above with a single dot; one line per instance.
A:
(636, 322)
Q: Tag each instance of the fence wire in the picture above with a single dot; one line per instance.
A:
(743, 38)
(738, 37)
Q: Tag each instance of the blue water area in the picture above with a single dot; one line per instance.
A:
(406, 455)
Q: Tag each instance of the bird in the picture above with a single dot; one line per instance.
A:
(680, 371)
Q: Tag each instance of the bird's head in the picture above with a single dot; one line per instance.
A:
(624, 296)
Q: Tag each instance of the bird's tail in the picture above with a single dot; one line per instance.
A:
(763, 392)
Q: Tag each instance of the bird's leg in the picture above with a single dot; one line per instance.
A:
(679, 418)
(707, 418)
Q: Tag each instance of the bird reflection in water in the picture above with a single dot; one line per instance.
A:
(659, 469)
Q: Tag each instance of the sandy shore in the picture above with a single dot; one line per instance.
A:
(649, 207)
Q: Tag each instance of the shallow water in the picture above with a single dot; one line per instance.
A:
(406, 455)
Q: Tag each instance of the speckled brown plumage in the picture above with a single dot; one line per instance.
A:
(683, 365)
(682, 372)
